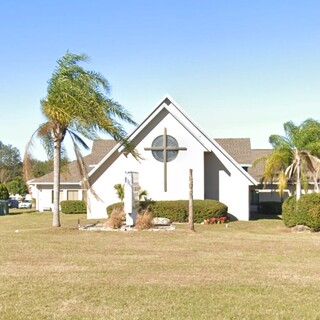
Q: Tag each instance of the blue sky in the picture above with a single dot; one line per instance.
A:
(239, 68)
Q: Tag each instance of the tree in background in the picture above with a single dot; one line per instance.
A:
(10, 163)
(295, 155)
(4, 193)
(11, 169)
(77, 104)
(40, 168)
(17, 186)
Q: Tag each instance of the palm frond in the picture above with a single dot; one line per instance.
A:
(78, 140)
(282, 182)
(42, 132)
(82, 166)
(256, 162)
(115, 109)
(290, 170)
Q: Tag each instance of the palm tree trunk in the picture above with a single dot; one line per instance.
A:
(191, 222)
(56, 183)
(298, 186)
(315, 179)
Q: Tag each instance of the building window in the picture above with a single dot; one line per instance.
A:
(170, 146)
(72, 195)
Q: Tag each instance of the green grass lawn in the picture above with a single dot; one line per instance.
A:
(250, 270)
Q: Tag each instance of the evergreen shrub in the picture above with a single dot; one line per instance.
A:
(289, 211)
(178, 210)
(308, 211)
(73, 206)
(4, 193)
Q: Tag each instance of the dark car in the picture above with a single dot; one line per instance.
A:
(13, 203)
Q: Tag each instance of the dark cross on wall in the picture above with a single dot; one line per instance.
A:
(165, 149)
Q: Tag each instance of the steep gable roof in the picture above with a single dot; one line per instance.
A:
(169, 105)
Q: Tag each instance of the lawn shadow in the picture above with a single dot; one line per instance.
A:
(265, 216)
(15, 213)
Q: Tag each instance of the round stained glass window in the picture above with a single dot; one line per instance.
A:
(171, 142)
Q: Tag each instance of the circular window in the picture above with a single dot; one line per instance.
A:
(171, 143)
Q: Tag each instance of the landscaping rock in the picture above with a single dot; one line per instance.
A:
(158, 221)
(301, 229)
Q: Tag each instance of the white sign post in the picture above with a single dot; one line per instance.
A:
(131, 197)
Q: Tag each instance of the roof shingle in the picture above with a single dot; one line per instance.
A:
(238, 148)
(71, 173)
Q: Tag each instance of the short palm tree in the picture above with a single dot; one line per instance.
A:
(295, 155)
(77, 104)
(274, 168)
(119, 191)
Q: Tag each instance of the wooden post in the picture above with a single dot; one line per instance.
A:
(191, 223)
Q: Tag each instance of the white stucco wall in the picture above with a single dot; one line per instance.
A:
(151, 171)
(234, 192)
(43, 196)
(226, 182)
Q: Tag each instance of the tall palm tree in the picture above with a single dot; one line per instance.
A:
(77, 104)
(295, 154)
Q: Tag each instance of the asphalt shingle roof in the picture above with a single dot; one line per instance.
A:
(238, 148)
(256, 170)
(71, 173)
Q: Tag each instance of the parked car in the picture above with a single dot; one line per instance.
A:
(13, 203)
(25, 204)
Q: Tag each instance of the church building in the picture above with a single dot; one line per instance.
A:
(169, 144)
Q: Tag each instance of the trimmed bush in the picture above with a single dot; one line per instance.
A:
(73, 206)
(178, 211)
(308, 211)
(305, 212)
(289, 212)
(270, 207)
